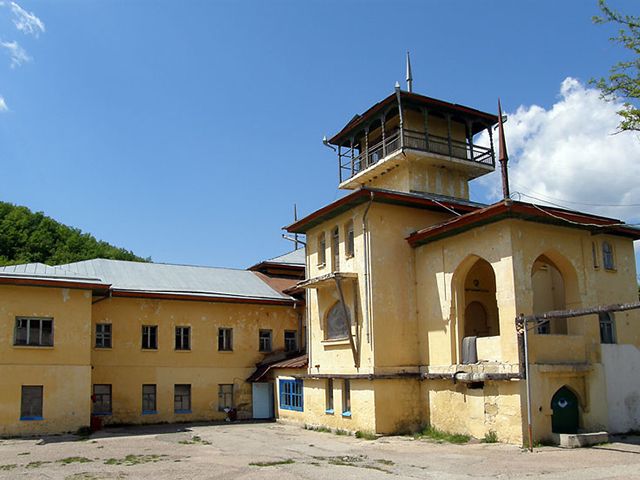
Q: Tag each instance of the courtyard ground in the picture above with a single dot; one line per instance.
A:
(278, 451)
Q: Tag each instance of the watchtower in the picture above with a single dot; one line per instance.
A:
(413, 143)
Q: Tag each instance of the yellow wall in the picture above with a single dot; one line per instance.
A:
(63, 370)
(126, 366)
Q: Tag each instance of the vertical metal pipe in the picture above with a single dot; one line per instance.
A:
(352, 156)
(400, 115)
(470, 130)
(384, 142)
(340, 162)
(528, 381)
(366, 149)
(449, 135)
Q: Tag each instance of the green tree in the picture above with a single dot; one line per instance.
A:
(623, 82)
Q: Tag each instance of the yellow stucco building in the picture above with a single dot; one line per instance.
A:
(413, 292)
(400, 313)
(125, 342)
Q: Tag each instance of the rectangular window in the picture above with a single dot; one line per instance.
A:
(335, 249)
(149, 399)
(290, 341)
(102, 399)
(103, 335)
(150, 337)
(350, 240)
(183, 338)
(322, 249)
(225, 339)
(291, 395)
(37, 332)
(346, 398)
(31, 402)
(264, 340)
(329, 396)
(608, 260)
(225, 396)
(607, 327)
(182, 399)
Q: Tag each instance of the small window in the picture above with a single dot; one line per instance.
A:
(182, 399)
(102, 399)
(150, 337)
(290, 341)
(225, 339)
(183, 338)
(264, 340)
(36, 332)
(337, 323)
(31, 402)
(148, 399)
(103, 335)
(322, 249)
(329, 396)
(225, 396)
(350, 241)
(335, 249)
(594, 254)
(607, 327)
(346, 398)
(291, 395)
(607, 256)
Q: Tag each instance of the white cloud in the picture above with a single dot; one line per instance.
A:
(26, 22)
(570, 154)
(16, 52)
(3, 105)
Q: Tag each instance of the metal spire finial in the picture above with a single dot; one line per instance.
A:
(409, 76)
(503, 156)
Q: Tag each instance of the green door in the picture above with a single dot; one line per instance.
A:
(565, 412)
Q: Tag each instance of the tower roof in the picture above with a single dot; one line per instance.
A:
(482, 119)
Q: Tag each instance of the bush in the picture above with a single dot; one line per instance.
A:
(366, 435)
(490, 437)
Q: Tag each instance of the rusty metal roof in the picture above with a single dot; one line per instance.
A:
(301, 361)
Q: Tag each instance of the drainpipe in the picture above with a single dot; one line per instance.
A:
(528, 381)
(367, 268)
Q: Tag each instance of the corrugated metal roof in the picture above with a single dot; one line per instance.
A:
(46, 272)
(262, 370)
(296, 257)
(166, 278)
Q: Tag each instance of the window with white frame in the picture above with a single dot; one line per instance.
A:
(290, 341)
(183, 338)
(101, 399)
(322, 249)
(225, 396)
(182, 398)
(148, 398)
(225, 339)
(103, 335)
(349, 239)
(33, 331)
(264, 340)
(31, 402)
(150, 337)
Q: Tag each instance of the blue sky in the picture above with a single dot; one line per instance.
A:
(185, 131)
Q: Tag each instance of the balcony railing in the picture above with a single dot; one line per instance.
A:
(352, 162)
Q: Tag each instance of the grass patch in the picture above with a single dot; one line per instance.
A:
(35, 464)
(385, 462)
(68, 460)
(340, 431)
(366, 435)
(490, 437)
(7, 467)
(131, 460)
(24, 453)
(288, 461)
(441, 436)
(195, 440)
(319, 428)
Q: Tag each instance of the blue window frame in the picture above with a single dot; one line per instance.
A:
(291, 395)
